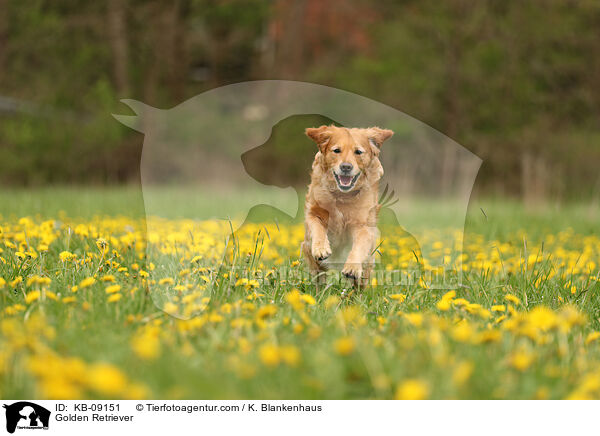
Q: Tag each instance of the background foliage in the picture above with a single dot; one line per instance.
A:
(518, 83)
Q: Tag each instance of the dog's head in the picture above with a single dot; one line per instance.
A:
(350, 157)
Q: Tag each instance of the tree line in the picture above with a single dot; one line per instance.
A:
(517, 83)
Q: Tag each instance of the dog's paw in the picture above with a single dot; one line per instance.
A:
(321, 251)
(352, 271)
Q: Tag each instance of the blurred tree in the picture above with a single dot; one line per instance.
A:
(504, 79)
(117, 31)
(518, 83)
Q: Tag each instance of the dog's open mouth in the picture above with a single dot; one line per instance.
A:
(345, 183)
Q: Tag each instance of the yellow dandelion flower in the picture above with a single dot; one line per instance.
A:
(266, 311)
(462, 332)
(513, 299)
(146, 345)
(542, 318)
(170, 307)
(290, 355)
(269, 355)
(58, 388)
(32, 296)
(444, 305)
(521, 360)
(449, 295)
(106, 379)
(445, 302)
(65, 256)
(344, 346)
(462, 372)
(308, 299)
(89, 281)
(488, 336)
(215, 318)
(102, 244)
(414, 318)
(458, 302)
(294, 300)
(398, 297)
(412, 389)
(593, 336)
(112, 289)
(114, 298)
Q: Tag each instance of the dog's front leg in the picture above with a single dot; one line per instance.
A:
(317, 227)
(363, 243)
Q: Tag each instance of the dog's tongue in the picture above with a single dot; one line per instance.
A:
(345, 180)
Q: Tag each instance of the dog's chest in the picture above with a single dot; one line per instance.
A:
(340, 239)
(336, 226)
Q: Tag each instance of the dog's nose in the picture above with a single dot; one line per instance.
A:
(346, 167)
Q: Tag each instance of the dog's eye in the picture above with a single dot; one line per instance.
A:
(358, 152)
(337, 150)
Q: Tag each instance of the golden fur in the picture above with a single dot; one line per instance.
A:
(338, 215)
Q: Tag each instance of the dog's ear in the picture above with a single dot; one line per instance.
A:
(320, 135)
(377, 136)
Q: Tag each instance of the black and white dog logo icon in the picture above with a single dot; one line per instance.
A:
(26, 415)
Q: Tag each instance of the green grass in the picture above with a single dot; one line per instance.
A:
(261, 341)
(492, 216)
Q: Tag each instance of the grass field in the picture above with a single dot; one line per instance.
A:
(82, 315)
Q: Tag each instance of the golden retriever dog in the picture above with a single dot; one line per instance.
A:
(342, 201)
